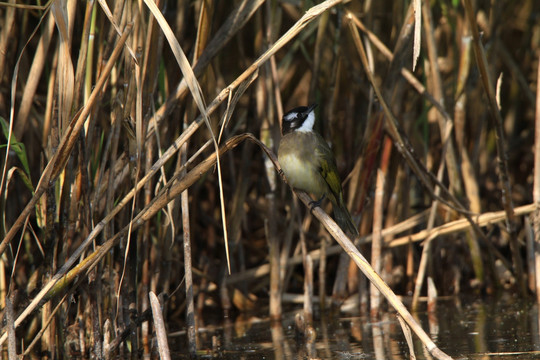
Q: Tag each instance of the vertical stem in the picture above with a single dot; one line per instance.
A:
(426, 251)
(273, 244)
(308, 277)
(376, 245)
(159, 324)
(322, 275)
(536, 188)
(190, 308)
(10, 320)
(96, 301)
(531, 255)
(145, 256)
(308, 290)
(438, 94)
(501, 153)
(377, 242)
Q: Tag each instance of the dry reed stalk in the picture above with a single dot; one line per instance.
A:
(10, 319)
(406, 150)
(229, 28)
(426, 251)
(166, 195)
(263, 270)
(190, 310)
(406, 73)
(267, 94)
(467, 168)
(502, 161)
(377, 240)
(536, 184)
(191, 318)
(66, 73)
(377, 332)
(362, 263)
(60, 158)
(376, 244)
(530, 257)
(49, 138)
(322, 273)
(308, 289)
(246, 76)
(10, 135)
(462, 224)
(339, 290)
(284, 257)
(368, 271)
(147, 265)
(196, 91)
(275, 310)
(7, 33)
(159, 324)
(197, 172)
(408, 337)
(125, 333)
(86, 53)
(90, 237)
(3, 284)
(392, 127)
(432, 297)
(274, 95)
(45, 328)
(267, 91)
(102, 170)
(436, 89)
(33, 77)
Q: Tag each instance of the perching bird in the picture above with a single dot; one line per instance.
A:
(309, 164)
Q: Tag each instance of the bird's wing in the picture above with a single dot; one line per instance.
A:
(328, 168)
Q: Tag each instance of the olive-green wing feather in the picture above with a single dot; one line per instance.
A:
(328, 168)
(329, 172)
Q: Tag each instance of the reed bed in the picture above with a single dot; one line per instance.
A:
(140, 194)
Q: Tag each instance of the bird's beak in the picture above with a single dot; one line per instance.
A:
(311, 107)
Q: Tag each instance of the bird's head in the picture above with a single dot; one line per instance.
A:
(299, 119)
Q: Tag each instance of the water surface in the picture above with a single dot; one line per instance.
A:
(466, 328)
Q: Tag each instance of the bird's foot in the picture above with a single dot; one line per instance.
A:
(316, 203)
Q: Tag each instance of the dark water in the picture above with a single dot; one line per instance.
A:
(506, 328)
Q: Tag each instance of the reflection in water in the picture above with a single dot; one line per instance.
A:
(468, 328)
(281, 347)
(378, 343)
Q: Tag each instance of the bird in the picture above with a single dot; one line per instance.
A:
(309, 164)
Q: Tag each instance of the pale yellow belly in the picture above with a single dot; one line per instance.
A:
(301, 175)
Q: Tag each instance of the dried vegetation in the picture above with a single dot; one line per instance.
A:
(110, 188)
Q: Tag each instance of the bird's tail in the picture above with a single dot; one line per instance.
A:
(344, 220)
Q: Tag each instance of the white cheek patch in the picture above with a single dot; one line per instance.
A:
(307, 126)
(289, 117)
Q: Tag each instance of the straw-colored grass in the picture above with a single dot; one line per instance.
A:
(111, 189)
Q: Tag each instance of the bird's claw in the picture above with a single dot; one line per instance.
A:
(316, 203)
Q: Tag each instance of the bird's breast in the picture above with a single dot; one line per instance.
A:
(299, 162)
